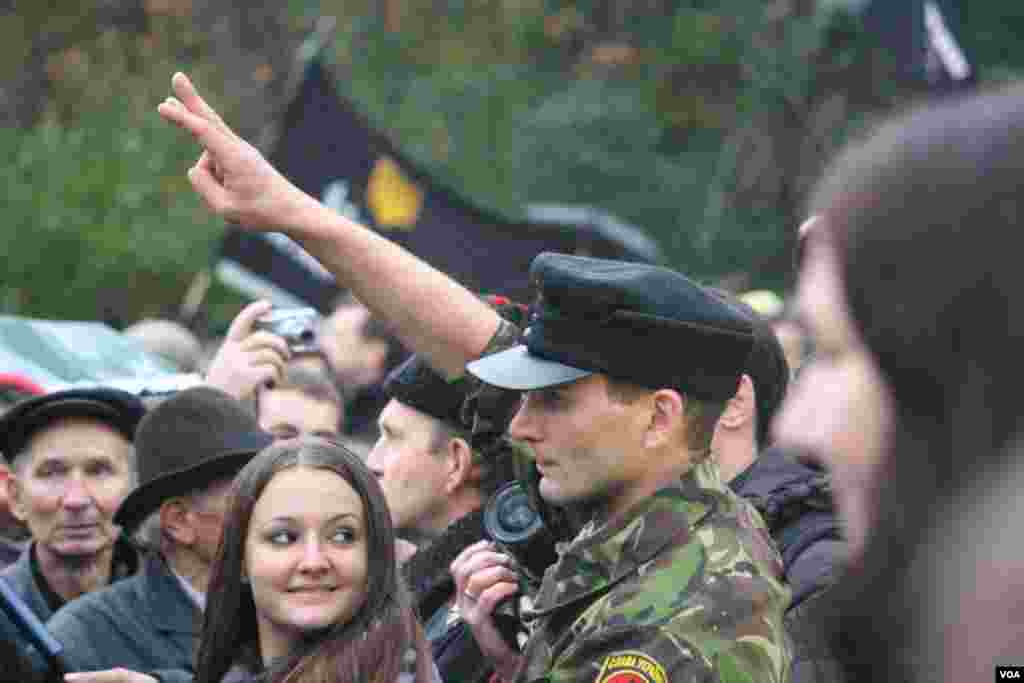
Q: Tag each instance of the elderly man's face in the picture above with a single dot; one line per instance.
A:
(69, 482)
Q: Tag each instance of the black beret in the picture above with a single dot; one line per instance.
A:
(119, 409)
(416, 384)
(419, 386)
(634, 322)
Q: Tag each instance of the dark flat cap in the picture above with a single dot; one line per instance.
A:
(633, 322)
(119, 409)
(419, 386)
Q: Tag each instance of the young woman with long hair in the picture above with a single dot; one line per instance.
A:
(305, 587)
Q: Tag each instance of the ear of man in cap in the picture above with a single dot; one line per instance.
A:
(186, 442)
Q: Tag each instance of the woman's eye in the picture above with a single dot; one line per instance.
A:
(343, 535)
(280, 537)
(100, 469)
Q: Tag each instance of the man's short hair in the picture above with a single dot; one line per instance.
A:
(315, 385)
(702, 414)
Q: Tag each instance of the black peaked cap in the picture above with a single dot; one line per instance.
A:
(634, 322)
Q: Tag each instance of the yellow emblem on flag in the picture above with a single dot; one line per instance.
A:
(393, 200)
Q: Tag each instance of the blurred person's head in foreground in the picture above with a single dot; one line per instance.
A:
(912, 390)
(304, 401)
(72, 463)
(306, 582)
(840, 409)
(967, 590)
(170, 340)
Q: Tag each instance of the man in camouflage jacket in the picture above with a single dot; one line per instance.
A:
(682, 584)
(673, 593)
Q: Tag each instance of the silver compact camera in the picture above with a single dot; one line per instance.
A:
(299, 327)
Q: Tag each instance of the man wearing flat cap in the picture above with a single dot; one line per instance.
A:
(189, 448)
(72, 464)
(437, 474)
(625, 369)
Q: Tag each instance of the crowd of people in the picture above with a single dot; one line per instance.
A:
(721, 489)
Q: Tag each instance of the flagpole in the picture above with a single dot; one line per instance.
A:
(195, 295)
(312, 47)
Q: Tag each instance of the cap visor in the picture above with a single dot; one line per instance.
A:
(519, 370)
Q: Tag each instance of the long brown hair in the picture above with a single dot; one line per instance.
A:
(372, 646)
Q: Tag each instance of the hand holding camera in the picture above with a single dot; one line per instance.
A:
(483, 580)
(249, 357)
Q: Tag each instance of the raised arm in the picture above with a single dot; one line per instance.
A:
(432, 314)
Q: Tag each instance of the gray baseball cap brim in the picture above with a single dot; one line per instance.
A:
(519, 370)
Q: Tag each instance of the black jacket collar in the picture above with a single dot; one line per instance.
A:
(427, 571)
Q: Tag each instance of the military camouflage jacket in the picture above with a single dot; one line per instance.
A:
(683, 588)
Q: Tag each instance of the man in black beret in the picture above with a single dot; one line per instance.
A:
(189, 448)
(437, 477)
(72, 464)
(625, 370)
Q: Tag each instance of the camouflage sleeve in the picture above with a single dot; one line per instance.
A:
(657, 654)
(701, 614)
(506, 336)
(488, 409)
(695, 646)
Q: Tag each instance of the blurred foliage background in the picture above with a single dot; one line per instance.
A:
(703, 121)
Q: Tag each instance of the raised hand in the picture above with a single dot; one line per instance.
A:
(232, 177)
(248, 360)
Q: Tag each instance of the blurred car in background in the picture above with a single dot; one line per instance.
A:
(39, 356)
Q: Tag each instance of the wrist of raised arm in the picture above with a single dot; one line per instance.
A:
(306, 218)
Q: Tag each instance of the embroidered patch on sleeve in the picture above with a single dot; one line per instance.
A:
(630, 667)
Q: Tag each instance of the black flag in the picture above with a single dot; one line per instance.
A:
(331, 151)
